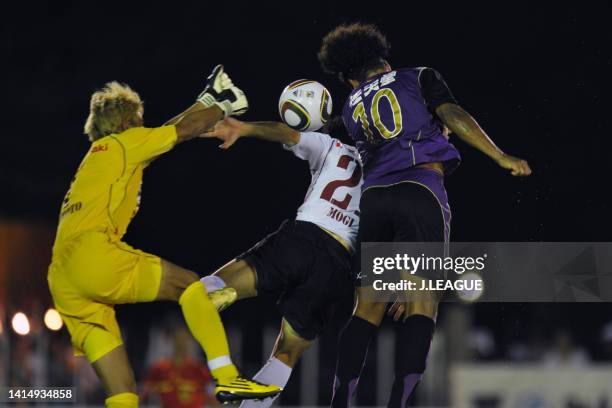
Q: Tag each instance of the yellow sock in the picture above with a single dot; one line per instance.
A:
(123, 400)
(205, 324)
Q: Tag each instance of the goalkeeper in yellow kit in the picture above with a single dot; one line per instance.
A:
(92, 269)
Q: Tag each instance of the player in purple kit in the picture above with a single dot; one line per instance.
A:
(397, 119)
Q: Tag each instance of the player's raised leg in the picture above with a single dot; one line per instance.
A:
(201, 317)
(238, 280)
(205, 325)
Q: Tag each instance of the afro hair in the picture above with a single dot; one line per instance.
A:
(350, 51)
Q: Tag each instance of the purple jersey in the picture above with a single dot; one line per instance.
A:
(388, 118)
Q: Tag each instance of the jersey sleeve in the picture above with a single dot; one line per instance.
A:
(143, 144)
(313, 147)
(434, 89)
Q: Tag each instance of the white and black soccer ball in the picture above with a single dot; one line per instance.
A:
(305, 105)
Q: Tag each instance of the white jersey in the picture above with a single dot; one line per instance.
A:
(332, 200)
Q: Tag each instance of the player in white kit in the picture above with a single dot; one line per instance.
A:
(306, 264)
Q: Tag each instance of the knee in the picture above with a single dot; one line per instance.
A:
(174, 281)
(182, 278)
(168, 291)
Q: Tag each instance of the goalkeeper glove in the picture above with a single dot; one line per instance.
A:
(220, 91)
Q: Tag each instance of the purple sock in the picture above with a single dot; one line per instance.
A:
(414, 340)
(352, 352)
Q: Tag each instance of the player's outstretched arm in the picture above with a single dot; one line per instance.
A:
(193, 108)
(465, 126)
(230, 130)
(195, 121)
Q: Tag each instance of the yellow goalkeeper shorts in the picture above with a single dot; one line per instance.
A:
(89, 274)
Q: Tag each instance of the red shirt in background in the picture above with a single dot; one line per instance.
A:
(187, 384)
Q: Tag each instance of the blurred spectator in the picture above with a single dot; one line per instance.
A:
(606, 342)
(22, 366)
(520, 351)
(481, 343)
(62, 363)
(532, 348)
(161, 340)
(180, 381)
(565, 353)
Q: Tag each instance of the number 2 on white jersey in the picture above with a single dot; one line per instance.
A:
(330, 188)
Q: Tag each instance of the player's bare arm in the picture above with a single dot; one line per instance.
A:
(465, 126)
(197, 121)
(193, 108)
(230, 130)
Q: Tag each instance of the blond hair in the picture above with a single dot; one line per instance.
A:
(111, 108)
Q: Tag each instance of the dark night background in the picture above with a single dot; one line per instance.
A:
(534, 76)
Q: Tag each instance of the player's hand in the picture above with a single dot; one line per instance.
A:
(228, 130)
(220, 90)
(446, 132)
(397, 310)
(517, 167)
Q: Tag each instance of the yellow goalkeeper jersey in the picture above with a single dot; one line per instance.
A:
(105, 193)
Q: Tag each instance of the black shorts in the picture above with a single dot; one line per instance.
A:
(405, 212)
(306, 269)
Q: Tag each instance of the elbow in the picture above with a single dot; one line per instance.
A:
(452, 115)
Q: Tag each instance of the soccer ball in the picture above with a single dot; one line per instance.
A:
(305, 105)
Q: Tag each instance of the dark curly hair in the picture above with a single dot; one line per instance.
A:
(350, 51)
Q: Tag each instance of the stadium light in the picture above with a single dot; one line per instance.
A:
(472, 295)
(53, 320)
(21, 324)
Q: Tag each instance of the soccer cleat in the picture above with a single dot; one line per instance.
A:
(239, 388)
(223, 298)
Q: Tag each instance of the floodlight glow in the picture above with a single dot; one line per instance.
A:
(470, 296)
(53, 320)
(21, 324)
